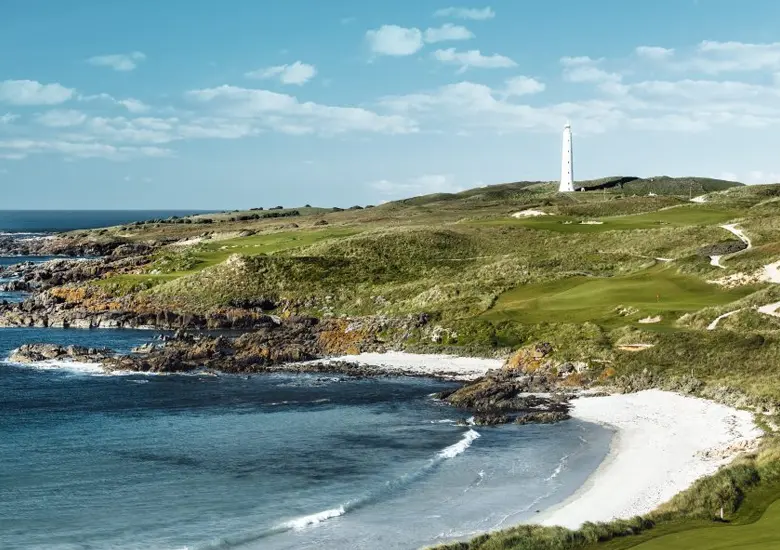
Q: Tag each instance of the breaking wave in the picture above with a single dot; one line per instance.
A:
(73, 367)
(558, 469)
(312, 520)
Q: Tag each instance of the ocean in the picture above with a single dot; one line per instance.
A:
(48, 221)
(266, 462)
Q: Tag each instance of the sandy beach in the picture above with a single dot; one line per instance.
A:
(417, 364)
(663, 443)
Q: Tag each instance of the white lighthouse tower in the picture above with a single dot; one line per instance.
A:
(567, 162)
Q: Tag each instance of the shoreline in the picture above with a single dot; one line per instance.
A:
(663, 443)
(433, 365)
(447, 368)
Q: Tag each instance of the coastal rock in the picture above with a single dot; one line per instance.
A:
(491, 419)
(33, 353)
(546, 417)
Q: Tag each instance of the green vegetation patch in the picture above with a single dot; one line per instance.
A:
(172, 263)
(678, 216)
(611, 300)
(764, 534)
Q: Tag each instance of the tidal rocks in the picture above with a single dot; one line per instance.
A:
(531, 387)
(491, 419)
(33, 353)
(545, 417)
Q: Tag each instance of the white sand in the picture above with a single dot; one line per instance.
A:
(445, 366)
(772, 272)
(528, 213)
(656, 453)
(714, 324)
(731, 228)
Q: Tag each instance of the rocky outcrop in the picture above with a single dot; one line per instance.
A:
(546, 417)
(531, 387)
(33, 353)
(73, 245)
(722, 249)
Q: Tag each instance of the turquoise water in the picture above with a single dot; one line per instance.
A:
(261, 462)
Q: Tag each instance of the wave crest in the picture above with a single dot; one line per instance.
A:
(457, 448)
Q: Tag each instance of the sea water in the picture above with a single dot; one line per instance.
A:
(271, 462)
(274, 461)
(31, 222)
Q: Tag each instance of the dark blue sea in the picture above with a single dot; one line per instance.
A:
(48, 221)
(266, 462)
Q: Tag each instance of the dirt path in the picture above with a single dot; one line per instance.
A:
(732, 228)
(714, 324)
(771, 274)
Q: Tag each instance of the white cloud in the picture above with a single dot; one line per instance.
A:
(585, 69)
(760, 176)
(448, 31)
(134, 105)
(31, 92)
(477, 14)
(284, 113)
(13, 156)
(711, 57)
(394, 40)
(61, 118)
(469, 105)
(473, 58)
(8, 118)
(297, 73)
(119, 62)
(78, 150)
(714, 57)
(522, 85)
(654, 52)
(422, 185)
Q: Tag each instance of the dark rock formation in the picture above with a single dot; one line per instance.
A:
(31, 353)
(722, 249)
(528, 389)
(547, 417)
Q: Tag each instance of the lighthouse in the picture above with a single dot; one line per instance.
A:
(567, 162)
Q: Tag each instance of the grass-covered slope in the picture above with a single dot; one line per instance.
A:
(616, 277)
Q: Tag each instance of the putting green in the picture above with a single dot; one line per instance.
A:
(679, 216)
(656, 291)
(764, 534)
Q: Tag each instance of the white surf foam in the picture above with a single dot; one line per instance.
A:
(313, 519)
(558, 469)
(59, 365)
(460, 447)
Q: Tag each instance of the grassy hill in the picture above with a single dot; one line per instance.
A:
(616, 276)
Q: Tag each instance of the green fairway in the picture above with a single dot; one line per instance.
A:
(197, 257)
(216, 252)
(656, 291)
(675, 217)
(764, 534)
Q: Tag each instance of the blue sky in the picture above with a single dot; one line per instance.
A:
(239, 103)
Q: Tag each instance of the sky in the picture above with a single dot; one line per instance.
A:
(243, 103)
